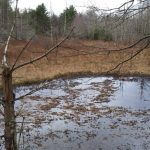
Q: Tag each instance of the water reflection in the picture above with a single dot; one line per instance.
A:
(132, 93)
(129, 92)
(86, 113)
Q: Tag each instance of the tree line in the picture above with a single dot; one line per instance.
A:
(93, 24)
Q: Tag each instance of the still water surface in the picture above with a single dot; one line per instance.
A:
(99, 113)
(129, 92)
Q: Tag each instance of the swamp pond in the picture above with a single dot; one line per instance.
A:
(99, 113)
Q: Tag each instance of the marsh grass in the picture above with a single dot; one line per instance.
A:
(67, 62)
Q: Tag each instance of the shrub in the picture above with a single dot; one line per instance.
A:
(102, 34)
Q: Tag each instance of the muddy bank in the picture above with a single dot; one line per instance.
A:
(72, 75)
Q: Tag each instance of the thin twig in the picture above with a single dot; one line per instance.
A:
(21, 52)
(44, 55)
(109, 10)
(43, 85)
(21, 131)
(121, 63)
(33, 122)
(1, 112)
(20, 110)
(109, 50)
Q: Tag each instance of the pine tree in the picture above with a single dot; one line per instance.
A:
(66, 18)
(40, 19)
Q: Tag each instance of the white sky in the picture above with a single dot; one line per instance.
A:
(59, 5)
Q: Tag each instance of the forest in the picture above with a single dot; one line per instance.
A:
(113, 25)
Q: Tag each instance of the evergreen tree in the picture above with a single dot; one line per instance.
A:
(5, 11)
(67, 17)
(40, 19)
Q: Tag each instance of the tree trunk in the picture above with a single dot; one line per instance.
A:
(9, 113)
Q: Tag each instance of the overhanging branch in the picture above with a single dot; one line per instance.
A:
(21, 52)
(130, 58)
(44, 55)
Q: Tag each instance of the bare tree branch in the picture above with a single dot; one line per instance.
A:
(31, 122)
(21, 52)
(125, 13)
(44, 55)
(121, 63)
(127, 18)
(120, 8)
(2, 113)
(4, 60)
(109, 50)
(43, 85)
(21, 131)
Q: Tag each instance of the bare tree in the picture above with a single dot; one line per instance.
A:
(8, 95)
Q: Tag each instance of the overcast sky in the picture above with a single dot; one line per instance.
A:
(59, 5)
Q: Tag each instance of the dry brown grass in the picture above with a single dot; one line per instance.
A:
(64, 61)
(49, 106)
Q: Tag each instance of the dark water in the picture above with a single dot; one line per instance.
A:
(128, 92)
(133, 93)
(99, 113)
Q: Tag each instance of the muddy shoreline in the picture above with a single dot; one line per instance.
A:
(80, 75)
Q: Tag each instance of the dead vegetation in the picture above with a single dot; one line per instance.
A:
(49, 106)
(75, 57)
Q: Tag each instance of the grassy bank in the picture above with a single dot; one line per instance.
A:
(77, 61)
